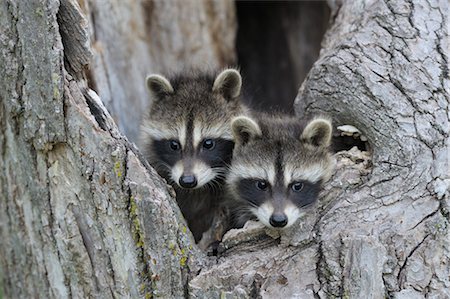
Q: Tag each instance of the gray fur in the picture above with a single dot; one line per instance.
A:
(284, 140)
(229, 83)
(244, 129)
(158, 85)
(193, 100)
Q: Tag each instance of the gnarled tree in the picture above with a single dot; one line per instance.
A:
(83, 215)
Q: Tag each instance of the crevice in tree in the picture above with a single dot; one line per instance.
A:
(74, 34)
(443, 208)
(90, 79)
(51, 219)
(345, 143)
(388, 292)
(87, 242)
(344, 274)
(320, 264)
(400, 276)
(277, 43)
(444, 66)
(146, 286)
(255, 289)
(256, 243)
(96, 111)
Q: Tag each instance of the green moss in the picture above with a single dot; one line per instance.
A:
(346, 295)
(183, 253)
(183, 258)
(118, 169)
(137, 233)
(40, 12)
(183, 261)
(55, 81)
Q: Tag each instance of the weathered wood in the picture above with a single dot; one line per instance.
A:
(83, 215)
(384, 69)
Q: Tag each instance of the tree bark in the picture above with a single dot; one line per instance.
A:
(384, 69)
(83, 215)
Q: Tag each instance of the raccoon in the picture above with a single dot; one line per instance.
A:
(186, 136)
(278, 167)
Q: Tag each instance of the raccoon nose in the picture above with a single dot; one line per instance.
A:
(188, 181)
(278, 220)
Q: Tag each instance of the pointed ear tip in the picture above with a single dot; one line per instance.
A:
(151, 78)
(231, 70)
(246, 122)
(154, 77)
(321, 126)
(322, 119)
(159, 80)
(241, 119)
(322, 122)
(229, 83)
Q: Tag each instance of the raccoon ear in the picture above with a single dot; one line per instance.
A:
(244, 129)
(228, 83)
(318, 132)
(158, 85)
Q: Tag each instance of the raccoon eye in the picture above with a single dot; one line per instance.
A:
(175, 145)
(208, 144)
(297, 187)
(262, 185)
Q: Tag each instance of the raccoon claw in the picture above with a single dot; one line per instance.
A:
(213, 248)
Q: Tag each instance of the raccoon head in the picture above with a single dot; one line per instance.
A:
(278, 166)
(186, 135)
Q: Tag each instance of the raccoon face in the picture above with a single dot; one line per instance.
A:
(278, 167)
(187, 133)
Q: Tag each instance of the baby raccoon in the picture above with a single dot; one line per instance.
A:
(278, 167)
(186, 136)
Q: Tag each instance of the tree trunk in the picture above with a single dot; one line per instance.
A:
(83, 215)
(384, 69)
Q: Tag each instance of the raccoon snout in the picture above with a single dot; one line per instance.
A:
(188, 181)
(278, 220)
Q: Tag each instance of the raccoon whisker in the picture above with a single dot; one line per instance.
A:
(215, 186)
(220, 169)
(245, 204)
(224, 168)
(220, 177)
(220, 172)
(161, 166)
(308, 205)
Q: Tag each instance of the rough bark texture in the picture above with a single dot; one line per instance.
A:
(384, 69)
(82, 215)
